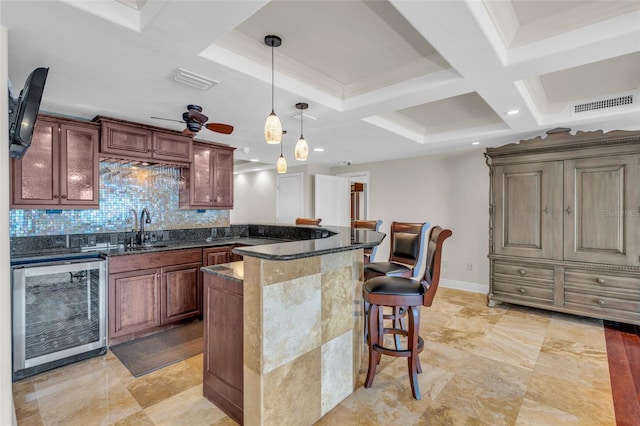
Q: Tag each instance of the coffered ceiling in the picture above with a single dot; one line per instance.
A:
(383, 79)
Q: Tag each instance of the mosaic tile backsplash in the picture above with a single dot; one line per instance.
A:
(122, 187)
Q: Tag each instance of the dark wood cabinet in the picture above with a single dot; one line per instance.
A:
(60, 168)
(145, 301)
(134, 302)
(127, 140)
(215, 255)
(209, 178)
(223, 377)
(181, 292)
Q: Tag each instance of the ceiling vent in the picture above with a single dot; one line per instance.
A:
(603, 103)
(194, 80)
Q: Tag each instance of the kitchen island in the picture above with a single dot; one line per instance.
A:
(301, 327)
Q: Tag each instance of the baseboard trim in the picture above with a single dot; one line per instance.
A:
(464, 285)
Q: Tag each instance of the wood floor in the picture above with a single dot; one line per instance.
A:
(623, 351)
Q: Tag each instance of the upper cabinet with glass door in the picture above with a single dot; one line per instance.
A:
(60, 168)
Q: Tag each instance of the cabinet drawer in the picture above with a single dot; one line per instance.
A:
(526, 272)
(523, 291)
(606, 281)
(601, 303)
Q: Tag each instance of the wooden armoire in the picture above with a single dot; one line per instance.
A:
(564, 231)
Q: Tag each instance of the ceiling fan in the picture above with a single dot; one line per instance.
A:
(195, 119)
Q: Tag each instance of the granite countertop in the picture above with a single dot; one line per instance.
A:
(280, 245)
(342, 239)
(233, 271)
(73, 253)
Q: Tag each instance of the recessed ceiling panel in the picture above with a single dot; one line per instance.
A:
(349, 42)
(611, 76)
(456, 113)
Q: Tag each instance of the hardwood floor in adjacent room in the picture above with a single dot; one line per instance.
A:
(506, 365)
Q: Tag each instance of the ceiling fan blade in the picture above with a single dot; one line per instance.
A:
(197, 116)
(188, 132)
(220, 128)
(167, 119)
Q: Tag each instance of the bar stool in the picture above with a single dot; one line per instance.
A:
(307, 221)
(407, 246)
(371, 225)
(402, 292)
(405, 252)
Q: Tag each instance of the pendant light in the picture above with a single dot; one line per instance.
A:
(272, 127)
(302, 148)
(281, 164)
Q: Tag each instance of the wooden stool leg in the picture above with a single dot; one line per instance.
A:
(413, 313)
(373, 338)
(397, 323)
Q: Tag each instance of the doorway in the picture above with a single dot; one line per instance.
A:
(289, 197)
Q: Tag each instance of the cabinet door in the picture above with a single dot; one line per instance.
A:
(223, 376)
(201, 177)
(528, 210)
(215, 255)
(181, 292)
(36, 175)
(602, 210)
(134, 302)
(223, 178)
(79, 181)
(125, 140)
(167, 146)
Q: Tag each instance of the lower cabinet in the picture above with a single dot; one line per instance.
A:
(181, 292)
(223, 357)
(143, 301)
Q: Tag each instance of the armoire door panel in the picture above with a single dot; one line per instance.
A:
(601, 216)
(528, 220)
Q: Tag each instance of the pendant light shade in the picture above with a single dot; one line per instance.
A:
(302, 148)
(272, 127)
(281, 164)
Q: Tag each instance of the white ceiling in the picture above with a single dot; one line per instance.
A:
(385, 79)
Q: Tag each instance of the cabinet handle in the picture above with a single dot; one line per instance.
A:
(568, 209)
(522, 272)
(600, 281)
(64, 197)
(521, 290)
(149, 150)
(157, 276)
(546, 210)
(601, 302)
(55, 197)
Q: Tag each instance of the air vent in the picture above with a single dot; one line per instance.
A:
(194, 80)
(604, 103)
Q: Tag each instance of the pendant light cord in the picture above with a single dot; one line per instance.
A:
(272, 71)
(301, 123)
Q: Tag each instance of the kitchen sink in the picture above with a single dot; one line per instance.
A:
(147, 247)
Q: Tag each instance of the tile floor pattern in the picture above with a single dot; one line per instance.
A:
(506, 365)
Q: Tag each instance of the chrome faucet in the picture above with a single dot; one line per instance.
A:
(135, 218)
(145, 212)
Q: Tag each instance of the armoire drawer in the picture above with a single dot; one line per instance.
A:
(522, 291)
(599, 302)
(527, 272)
(630, 282)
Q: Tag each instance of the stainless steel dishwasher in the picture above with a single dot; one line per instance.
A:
(59, 313)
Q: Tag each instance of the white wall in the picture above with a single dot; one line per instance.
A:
(7, 412)
(254, 198)
(449, 191)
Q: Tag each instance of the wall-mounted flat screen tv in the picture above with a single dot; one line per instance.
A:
(23, 111)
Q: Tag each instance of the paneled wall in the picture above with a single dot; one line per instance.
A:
(122, 188)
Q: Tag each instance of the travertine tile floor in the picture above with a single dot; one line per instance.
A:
(506, 365)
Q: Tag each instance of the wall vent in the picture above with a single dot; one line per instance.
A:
(603, 104)
(194, 80)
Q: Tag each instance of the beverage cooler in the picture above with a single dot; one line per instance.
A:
(59, 313)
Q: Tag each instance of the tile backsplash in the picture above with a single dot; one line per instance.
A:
(122, 187)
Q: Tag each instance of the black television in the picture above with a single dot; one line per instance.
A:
(23, 111)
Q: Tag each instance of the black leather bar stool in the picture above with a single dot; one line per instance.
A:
(402, 292)
(404, 254)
